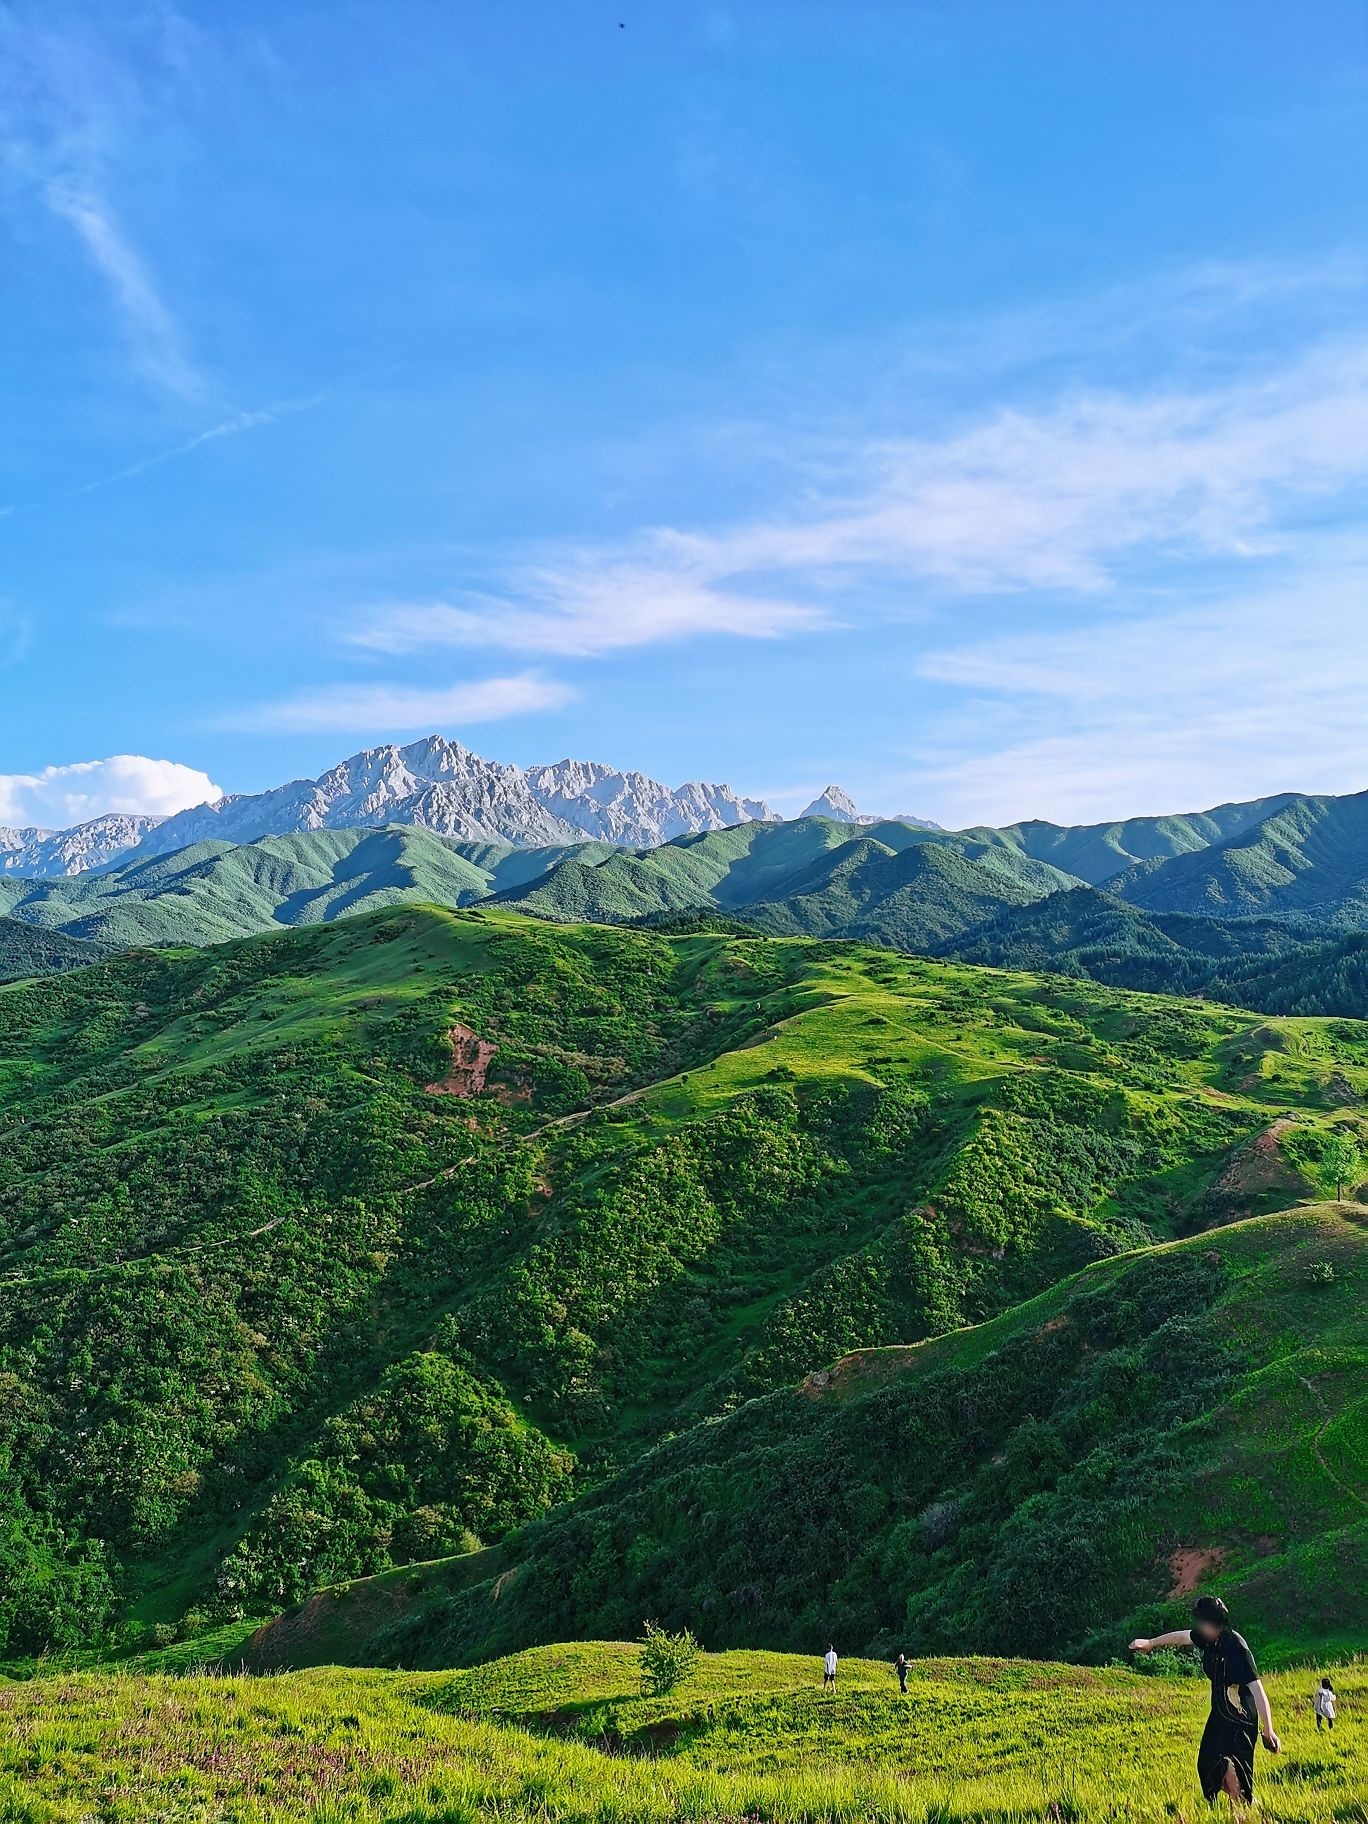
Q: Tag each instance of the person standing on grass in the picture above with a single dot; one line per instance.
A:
(900, 1666)
(1240, 1710)
(829, 1664)
(1323, 1703)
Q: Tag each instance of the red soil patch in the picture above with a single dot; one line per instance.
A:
(1258, 1170)
(470, 1061)
(1190, 1563)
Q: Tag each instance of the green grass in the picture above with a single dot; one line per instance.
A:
(561, 1736)
(274, 1314)
(1201, 1404)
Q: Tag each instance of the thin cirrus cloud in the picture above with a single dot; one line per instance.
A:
(1243, 696)
(58, 796)
(69, 107)
(154, 337)
(1061, 498)
(396, 708)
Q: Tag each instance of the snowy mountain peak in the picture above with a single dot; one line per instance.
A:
(435, 783)
(837, 804)
(37, 854)
(632, 809)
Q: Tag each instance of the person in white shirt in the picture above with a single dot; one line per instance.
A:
(1323, 1703)
(829, 1664)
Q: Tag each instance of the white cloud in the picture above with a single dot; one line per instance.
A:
(1064, 498)
(587, 607)
(395, 708)
(59, 796)
(1175, 711)
(70, 102)
(154, 337)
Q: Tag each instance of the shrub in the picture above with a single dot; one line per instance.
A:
(666, 1660)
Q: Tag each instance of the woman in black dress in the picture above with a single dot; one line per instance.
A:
(1240, 1711)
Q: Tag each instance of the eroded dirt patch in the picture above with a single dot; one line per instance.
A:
(1190, 1564)
(471, 1057)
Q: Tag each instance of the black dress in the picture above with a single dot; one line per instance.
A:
(1232, 1729)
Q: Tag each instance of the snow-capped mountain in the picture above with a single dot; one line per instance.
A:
(36, 854)
(635, 811)
(839, 806)
(444, 787)
(434, 782)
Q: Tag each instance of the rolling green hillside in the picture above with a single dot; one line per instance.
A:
(562, 1736)
(216, 891)
(1098, 852)
(1262, 963)
(891, 883)
(915, 900)
(25, 950)
(1309, 860)
(325, 1251)
(1050, 1482)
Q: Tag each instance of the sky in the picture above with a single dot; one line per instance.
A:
(966, 403)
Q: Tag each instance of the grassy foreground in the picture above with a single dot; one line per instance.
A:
(559, 1734)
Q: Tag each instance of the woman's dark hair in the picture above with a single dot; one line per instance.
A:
(1212, 1609)
(1327, 1684)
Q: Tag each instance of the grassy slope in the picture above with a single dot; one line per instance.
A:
(1270, 964)
(215, 891)
(888, 883)
(914, 899)
(301, 1316)
(26, 951)
(1309, 859)
(560, 1736)
(1036, 1483)
(1099, 852)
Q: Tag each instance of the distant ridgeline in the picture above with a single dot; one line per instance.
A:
(1262, 905)
(378, 1241)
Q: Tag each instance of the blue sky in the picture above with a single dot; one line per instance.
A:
(965, 402)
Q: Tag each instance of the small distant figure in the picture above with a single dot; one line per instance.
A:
(829, 1665)
(900, 1666)
(1240, 1711)
(1323, 1703)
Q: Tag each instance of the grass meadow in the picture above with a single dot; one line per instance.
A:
(560, 1734)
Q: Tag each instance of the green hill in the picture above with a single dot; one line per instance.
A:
(1099, 852)
(891, 883)
(215, 891)
(331, 1250)
(1263, 963)
(1049, 1482)
(915, 900)
(1309, 859)
(27, 951)
(562, 1736)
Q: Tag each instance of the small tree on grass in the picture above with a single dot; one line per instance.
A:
(666, 1659)
(1341, 1163)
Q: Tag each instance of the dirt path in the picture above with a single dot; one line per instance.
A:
(141, 1260)
(509, 1140)
(1334, 1475)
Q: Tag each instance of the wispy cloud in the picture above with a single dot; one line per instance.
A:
(67, 105)
(591, 604)
(155, 339)
(233, 426)
(377, 708)
(1258, 692)
(1066, 498)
